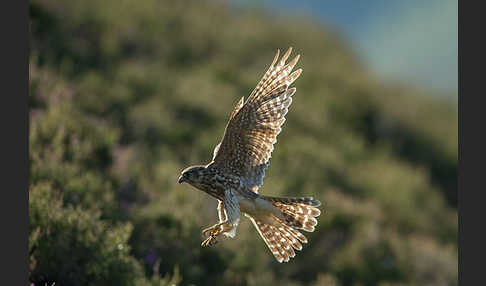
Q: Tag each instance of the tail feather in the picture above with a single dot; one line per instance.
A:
(299, 213)
(293, 236)
(310, 201)
(283, 243)
(282, 236)
(278, 243)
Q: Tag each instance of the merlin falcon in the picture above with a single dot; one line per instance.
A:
(236, 171)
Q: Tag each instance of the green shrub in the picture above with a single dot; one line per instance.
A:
(125, 94)
(72, 246)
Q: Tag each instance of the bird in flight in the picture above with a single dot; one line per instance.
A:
(236, 171)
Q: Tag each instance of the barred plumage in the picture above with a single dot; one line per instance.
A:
(253, 127)
(239, 162)
(299, 215)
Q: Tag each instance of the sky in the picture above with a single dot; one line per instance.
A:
(408, 41)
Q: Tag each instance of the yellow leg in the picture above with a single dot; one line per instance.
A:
(214, 231)
(210, 230)
(209, 241)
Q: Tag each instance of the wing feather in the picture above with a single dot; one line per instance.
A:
(254, 124)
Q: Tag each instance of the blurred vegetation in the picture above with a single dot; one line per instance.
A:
(125, 94)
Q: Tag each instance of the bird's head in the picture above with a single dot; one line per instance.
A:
(192, 175)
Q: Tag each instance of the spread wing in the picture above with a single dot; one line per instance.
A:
(254, 124)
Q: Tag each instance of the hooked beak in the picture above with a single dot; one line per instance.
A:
(181, 179)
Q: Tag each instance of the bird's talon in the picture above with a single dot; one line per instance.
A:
(212, 230)
(209, 241)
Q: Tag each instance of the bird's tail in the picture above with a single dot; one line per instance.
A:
(282, 236)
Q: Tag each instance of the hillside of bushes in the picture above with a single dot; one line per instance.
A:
(126, 94)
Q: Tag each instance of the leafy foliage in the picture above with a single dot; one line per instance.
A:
(125, 94)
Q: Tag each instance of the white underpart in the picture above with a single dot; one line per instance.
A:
(260, 210)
